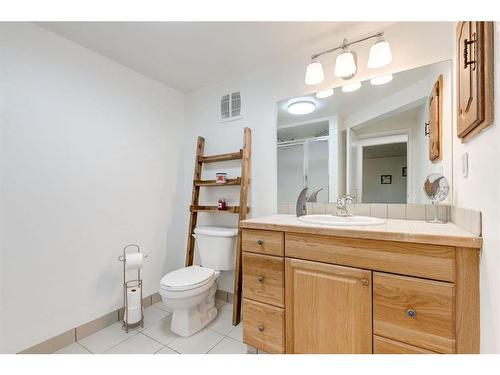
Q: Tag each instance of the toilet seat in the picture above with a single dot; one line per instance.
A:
(187, 278)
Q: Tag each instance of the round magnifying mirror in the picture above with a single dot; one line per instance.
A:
(436, 188)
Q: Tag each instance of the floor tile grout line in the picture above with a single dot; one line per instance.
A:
(128, 338)
(89, 352)
(218, 342)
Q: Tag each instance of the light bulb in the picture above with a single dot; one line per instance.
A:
(324, 93)
(314, 73)
(345, 65)
(381, 80)
(301, 108)
(351, 87)
(380, 54)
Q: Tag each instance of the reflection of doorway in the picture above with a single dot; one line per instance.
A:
(384, 173)
(356, 183)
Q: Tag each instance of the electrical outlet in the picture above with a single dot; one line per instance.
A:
(465, 164)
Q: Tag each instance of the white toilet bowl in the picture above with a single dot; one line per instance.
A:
(190, 292)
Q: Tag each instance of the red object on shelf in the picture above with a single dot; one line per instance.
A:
(221, 205)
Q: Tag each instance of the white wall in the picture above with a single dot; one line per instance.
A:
(376, 192)
(89, 153)
(480, 191)
(413, 45)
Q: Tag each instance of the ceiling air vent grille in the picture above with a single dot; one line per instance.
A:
(230, 107)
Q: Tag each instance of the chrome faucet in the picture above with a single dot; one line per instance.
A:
(342, 202)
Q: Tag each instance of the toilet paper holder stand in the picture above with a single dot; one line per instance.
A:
(128, 285)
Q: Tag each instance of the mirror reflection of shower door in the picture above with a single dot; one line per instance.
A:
(291, 172)
(317, 168)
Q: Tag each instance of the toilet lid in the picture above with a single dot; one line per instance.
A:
(187, 278)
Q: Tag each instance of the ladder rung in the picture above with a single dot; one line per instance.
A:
(230, 209)
(230, 181)
(221, 157)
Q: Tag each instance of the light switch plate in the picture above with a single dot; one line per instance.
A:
(465, 164)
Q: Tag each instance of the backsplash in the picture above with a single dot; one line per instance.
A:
(469, 220)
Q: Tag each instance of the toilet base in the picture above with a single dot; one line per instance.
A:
(188, 321)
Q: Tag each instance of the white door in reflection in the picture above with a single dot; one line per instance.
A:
(303, 164)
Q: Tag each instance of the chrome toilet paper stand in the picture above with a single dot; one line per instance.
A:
(129, 285)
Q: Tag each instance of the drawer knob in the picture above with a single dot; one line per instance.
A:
(261, 279)
(411, 313)
(260, 328)
(260, 242)
(365, 282)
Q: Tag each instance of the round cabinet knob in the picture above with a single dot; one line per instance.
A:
(260, 328)
(365, 282)
(411, 313)
(261, 279)
(260, 242)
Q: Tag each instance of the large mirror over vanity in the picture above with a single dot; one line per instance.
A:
(375, 140)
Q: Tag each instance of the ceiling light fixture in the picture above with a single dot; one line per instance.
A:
(302, 107)
(346, 62)
(380, 54)
(381, 80)
(351, 87)
(314, 73)
(324, 93)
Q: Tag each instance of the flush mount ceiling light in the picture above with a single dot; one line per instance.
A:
(380, 54)
(346, 62)
(324, 93)
(314, 73)
(302, 107)
(351, 87)
(381, 80)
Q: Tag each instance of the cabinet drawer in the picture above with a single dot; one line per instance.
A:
(263, 278)
(263, 242)
(263, 326)
(382, 345)
(415, 311)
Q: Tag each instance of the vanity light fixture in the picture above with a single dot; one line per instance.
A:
(380, 54)
(302, 107)
(346, 62)
(314, 73)
(324, 93)
(351, 87)
(381, 80)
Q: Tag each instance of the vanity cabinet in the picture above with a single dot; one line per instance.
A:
(316, 293)
(316, 320)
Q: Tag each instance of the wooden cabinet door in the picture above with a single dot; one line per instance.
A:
(474, 77)
(328, 308)
(469, 99)
(435, 121)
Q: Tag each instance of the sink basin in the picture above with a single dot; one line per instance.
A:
(341, 221)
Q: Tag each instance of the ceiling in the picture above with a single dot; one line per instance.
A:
(189, 55)
(343, 104)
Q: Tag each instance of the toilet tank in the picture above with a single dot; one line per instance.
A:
(216, 247)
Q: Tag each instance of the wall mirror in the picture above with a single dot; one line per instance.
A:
(377, 142)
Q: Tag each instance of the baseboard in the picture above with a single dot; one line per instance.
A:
(60, 341)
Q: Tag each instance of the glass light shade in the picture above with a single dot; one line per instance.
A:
(381, 80)
(345, 65)
(314, 73)
(301, 108)
(324, 93)
(380, 55)
(351, 87)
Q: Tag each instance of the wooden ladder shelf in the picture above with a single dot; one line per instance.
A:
(241, 210)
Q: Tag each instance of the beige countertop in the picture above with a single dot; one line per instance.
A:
(416, 231)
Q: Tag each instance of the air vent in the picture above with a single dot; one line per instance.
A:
(230, 107)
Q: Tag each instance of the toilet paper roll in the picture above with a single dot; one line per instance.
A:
(133, 261)
(133, 314)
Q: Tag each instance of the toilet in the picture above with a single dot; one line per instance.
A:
(190, 292)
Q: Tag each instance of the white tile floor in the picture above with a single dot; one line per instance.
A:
(219, 337)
